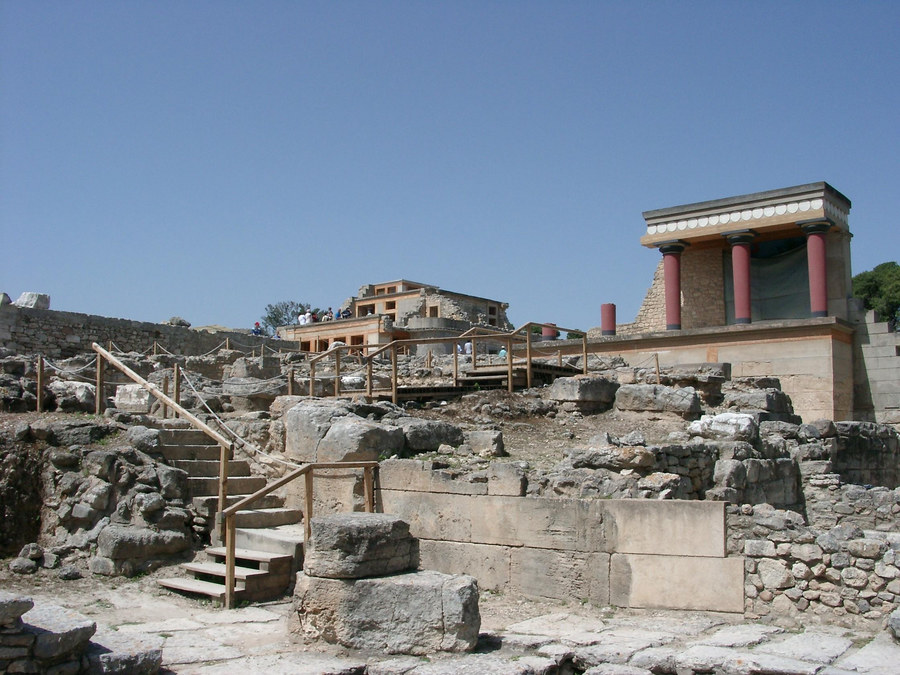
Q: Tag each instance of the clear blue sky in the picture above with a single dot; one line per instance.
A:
(204, 159)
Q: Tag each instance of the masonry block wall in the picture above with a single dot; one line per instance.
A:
(65, 334)
(630, 553)
(702, 288)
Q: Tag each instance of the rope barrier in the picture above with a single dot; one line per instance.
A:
(228, 430)
(76, 370)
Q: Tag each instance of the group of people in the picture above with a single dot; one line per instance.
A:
(313, 317)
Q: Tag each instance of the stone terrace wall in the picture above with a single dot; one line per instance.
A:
(66, 334)
(630, 553)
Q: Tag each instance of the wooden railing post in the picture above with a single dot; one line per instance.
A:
(369, 488)
(369, 383)
(177, 393)
(154, 348)
(307, 515)
(98, 395)
(509, 367)
(165, 390)
(40, 383)
(337, 373)
(227, 343)
(291, 381)
(528, 355)
(230, 546)
(395, 394)
(312, 378)
(225, 454)
(584, 354)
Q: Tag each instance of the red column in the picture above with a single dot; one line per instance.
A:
(672, 270)
(816, 256)
(740, 268)
(608, 319)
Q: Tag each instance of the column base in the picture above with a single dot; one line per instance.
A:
(742, 320)
(607, 332)
(673, 326)
(819, 314)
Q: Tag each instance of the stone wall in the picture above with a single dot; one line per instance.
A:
(702, 288)
(65, 334)
(795, 572)
(632, 553)
(651, 316)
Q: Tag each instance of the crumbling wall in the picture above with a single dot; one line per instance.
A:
(795, 571)
(651, 316)
(26, 330)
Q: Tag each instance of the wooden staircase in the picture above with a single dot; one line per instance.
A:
(269, 539)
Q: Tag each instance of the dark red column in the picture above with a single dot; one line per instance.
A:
(608, 319)
(672, 271)
(740, 269)
(818, 274)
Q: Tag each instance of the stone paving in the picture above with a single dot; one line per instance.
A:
(569, 639)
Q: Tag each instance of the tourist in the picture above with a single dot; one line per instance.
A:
(257, 329)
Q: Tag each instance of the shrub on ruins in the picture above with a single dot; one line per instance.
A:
(284, 313)
(879, 289)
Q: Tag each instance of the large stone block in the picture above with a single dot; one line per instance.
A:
(683, 401)
(352, 439)
(118, 542)
(357, 545)
(560, 575)
(587, 392)
(487, 563)
(669, 582)
(672, 528)
(416, 613)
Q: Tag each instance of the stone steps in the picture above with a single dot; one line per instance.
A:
(241, 485)
(210, 468)
(265, 563)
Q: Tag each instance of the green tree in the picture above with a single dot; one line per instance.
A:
(282, 313)
(879, 289)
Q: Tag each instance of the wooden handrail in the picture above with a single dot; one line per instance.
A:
(229, 514)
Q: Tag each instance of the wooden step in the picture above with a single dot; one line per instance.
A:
(241, 485)
(207, 468)
(197, 587)
(214, 569)
(249, 555)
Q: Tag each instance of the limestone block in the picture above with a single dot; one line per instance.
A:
(133, 398)
(486, 442)
(589, 392)
(12, 607)
(657, 582)
(487, 563)
(561, 575)
(657, 398)
(123, 652)
(33, 300)
(118, 542)
(689, 528)
(357, 545)
(60, 632)
(352, 438)
(507, 478)
(613, 457)
(726, 426)
(73, 396)
(429, 435)
(774, 574)
(306, 423)
(415, 613)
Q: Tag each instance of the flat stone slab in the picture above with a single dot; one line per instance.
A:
(358, 545)
(813, 646)
(558, 625)
(741, 635)
(880, 657)
(59, 632)
(702, 658)
(115, 652)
